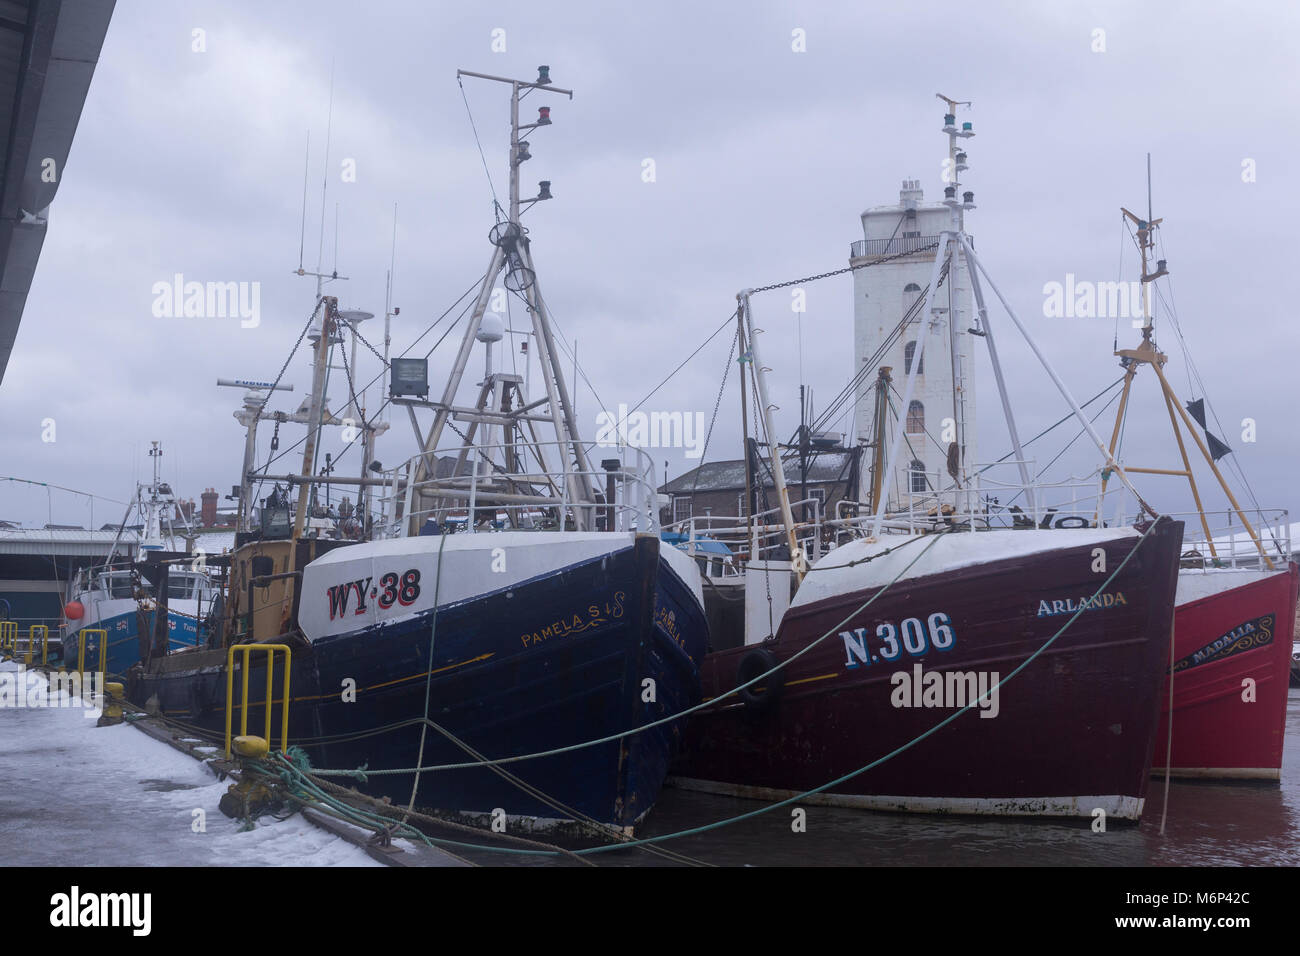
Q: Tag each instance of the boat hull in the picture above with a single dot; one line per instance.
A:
(124, 639)
(1232, 651)
(1072, 733)
(553, 660)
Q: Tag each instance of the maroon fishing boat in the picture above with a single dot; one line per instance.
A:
(1232, 650)
(1070, 734)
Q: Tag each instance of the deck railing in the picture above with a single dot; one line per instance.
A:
(890, 247)
(485, 496)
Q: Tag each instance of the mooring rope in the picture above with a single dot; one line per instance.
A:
(428, 678)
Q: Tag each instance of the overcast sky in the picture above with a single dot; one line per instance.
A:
(191, 162)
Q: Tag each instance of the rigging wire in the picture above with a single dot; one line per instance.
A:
(373, 418)
(496, 204)
(722, 387)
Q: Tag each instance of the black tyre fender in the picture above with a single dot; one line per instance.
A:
(1072, 521)
(760, 697)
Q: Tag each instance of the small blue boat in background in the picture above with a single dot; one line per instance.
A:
(120, 599)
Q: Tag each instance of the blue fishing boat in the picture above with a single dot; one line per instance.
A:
(121, 599)
(515, 599)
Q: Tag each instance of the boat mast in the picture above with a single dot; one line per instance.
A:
(748, 505)
(368, 437)
(512, 252)
(880, 418)
(329, 306)
(952, 241)
(151, 532)
(797, 560)
(952, 177)
(1147, 353)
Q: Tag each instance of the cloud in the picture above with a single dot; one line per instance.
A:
(764, 158)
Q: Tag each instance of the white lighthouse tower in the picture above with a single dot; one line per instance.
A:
(902, 239)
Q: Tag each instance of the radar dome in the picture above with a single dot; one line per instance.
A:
(491, 329)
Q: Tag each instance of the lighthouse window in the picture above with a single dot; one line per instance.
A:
(917, 471)
(916, 419)
(911, 292)
(908, 351)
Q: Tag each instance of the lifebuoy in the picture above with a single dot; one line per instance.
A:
(1073, 521)
(764, 696)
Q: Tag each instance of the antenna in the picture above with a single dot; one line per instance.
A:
(320, 276)
(302, 229)
(1146, 241)
(1150, 216)
(324, 183)
(388, 291)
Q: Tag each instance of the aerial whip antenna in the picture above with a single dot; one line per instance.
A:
(302, 229)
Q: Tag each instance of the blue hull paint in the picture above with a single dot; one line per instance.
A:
(549, 662)
(124, 640)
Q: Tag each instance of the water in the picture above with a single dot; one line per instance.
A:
(1208, 824)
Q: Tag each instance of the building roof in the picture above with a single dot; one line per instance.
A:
(215, 541)
(61, 541)
(48, 52)
(823, 467)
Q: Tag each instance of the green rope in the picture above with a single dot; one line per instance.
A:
(290, 771)
(428, 678)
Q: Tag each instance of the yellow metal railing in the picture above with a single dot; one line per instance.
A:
(246, 650)
(9, 638)
(31, 644)
(83, 639)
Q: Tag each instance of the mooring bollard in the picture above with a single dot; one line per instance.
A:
(114, 695)
(251, 747)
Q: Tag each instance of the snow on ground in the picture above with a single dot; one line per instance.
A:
(73, 794)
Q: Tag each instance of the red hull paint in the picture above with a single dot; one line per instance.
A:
(1216, 732)
(1079, 722)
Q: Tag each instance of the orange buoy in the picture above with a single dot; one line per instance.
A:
(73, 611)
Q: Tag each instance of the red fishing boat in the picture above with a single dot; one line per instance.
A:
(936, 661)
(1232, 650)
(1232, 629)
(1069, 735)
